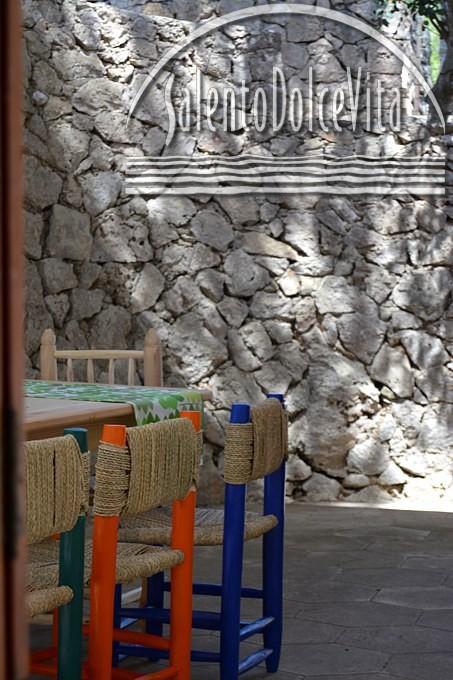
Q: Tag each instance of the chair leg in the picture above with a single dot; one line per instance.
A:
(117, 623)
(103, 581)
(68, 622)
(102, 595)
(71, 615)
(233, 550)
(273, 547)
(155, 598)
(181, 586)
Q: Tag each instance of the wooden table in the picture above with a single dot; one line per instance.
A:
(48, 417)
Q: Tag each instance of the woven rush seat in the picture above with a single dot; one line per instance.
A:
(134, 561)
(154, 527)
(45, 600)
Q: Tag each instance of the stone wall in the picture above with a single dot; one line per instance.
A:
(343, 304)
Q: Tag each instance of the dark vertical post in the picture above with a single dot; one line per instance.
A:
(13, 620)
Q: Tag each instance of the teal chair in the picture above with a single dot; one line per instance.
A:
(56, 502)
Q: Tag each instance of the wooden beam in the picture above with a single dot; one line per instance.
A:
(13, 622)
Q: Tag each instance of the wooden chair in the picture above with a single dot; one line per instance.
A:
(151, 355)
(57, 499)
(138, 469)
(255, 448)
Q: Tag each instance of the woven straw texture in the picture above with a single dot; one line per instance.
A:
(57, 493)
(159, 465)
(155, 527)
(133, 562)
(56, 487)
(256, 449)
(48, 599)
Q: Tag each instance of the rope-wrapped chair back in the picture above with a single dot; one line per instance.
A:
(158, 466)
(256, 449)
(56, 486)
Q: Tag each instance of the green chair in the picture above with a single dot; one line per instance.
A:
(56, 503)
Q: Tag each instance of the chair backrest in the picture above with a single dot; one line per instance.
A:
(256, 449)
(151, 355)
(158, 465)
(56, 486)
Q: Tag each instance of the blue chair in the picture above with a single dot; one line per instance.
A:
(255, 447)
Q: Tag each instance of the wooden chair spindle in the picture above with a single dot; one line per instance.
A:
(111, 371)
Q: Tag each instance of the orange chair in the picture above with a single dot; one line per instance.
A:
(138, 469)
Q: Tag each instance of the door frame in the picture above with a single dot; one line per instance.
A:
(13, 622)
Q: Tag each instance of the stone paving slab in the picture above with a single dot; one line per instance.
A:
(417, 598)
(325, 591)
(309, 632)
(358, 614)
(422, 520)
(327, 658)
(210, 672)
(331, 543)
(386, 531)
(398, 639)
(427, 562)
(363, 559)
(389, 578)
(308, 573)
(368, 676)
(441, 619)
(422, 666)
(433, 548)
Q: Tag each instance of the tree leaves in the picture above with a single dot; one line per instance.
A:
(433, 11)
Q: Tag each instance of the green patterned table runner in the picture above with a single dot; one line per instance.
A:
(151, 404)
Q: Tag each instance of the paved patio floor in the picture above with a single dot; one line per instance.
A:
(368, 595)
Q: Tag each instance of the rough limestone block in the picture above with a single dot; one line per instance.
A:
(391, 367)
(69, 234)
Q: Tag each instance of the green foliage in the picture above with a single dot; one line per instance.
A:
(435, 61)
(433, 12)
